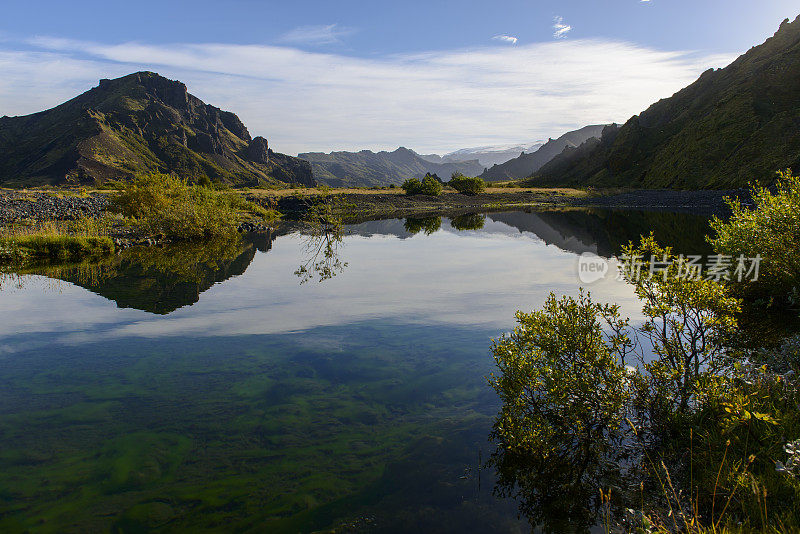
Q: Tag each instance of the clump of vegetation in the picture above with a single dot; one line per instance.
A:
(55, 241)
(427, 186)
(771, 231)
(467, 185)
(164, 204)
(676, 425)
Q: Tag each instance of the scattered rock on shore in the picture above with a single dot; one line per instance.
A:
(20, 205)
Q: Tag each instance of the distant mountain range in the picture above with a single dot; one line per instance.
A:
(367, 168)
(139, 123)
(526, 164)
(730, 127)
(486, 155)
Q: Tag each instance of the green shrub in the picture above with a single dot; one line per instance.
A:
(771, 231)
(427, 186)
(467, 185)
(166, 204)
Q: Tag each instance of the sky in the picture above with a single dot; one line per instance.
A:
(433, 76)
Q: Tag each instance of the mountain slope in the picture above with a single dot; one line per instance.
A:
(139, 123)
(486, 155)
(730, 127)
(526, 164)
(367, 168)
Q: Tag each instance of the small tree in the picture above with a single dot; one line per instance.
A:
(688, 320)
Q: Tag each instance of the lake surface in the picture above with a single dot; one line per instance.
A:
(207, 388)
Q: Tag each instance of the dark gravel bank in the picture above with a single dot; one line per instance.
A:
(18, 205)
(696, 202)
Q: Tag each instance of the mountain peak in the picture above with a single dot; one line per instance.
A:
(142, 122)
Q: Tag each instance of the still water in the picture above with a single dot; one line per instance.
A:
(205, 387)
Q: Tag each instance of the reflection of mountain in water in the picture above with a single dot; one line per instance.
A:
(602, 232)
(163, 279)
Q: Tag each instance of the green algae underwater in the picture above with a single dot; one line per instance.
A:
(207, 390)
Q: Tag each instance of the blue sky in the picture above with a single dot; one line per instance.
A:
(433, 76)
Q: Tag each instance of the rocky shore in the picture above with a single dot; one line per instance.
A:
(45, 206)
(41, 206)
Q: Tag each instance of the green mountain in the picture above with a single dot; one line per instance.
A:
(730, 127)
(367, 168)
(139, 123)
(526, 164)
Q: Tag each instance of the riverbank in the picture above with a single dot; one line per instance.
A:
(26, 206)
(354, 203)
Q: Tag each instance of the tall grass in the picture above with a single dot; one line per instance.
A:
(55, 241)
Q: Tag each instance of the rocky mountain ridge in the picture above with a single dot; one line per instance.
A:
(142, 122)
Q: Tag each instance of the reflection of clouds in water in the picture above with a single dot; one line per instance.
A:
(470, 278)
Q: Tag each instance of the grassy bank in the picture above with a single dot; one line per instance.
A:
(152, 208)
(54, 241)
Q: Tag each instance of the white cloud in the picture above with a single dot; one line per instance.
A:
(315, 35)
(506, 39)
(560, 30)
(435, 101)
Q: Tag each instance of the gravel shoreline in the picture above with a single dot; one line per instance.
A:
(707, 202)
(45, 206)
(39, 206)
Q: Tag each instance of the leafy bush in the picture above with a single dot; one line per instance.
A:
(564, 391)
(467, 185)
(771, 231)
(166, 204)
(427, 186)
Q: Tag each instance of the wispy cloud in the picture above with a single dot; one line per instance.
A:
(506, 39)
(315, 35)
(560, 30)
(439, 100)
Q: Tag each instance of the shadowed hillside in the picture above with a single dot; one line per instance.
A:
(526, 164)
(730, 127)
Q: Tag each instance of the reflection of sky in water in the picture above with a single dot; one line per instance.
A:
(460, 278)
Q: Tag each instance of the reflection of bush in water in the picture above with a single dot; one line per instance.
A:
(470, 221)
(428, 225)
(189, 262)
